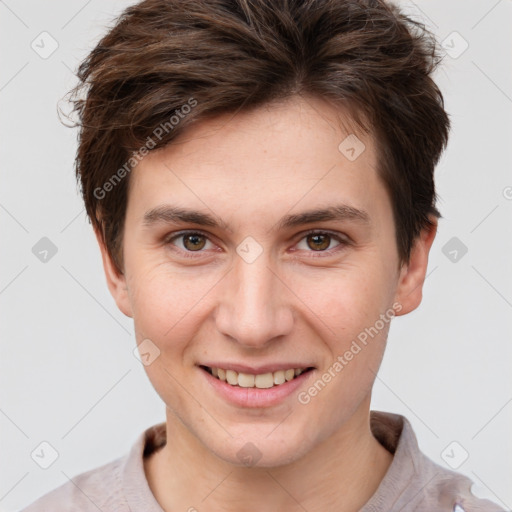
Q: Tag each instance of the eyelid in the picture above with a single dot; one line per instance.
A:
(343, 240)
(317, 231)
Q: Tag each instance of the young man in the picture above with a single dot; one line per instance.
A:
(259, 175)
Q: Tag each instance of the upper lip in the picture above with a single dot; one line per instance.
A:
(257, 370)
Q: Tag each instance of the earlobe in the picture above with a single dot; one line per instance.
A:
(116, 281)
(412, 275)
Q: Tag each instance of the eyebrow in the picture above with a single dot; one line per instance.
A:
(169, 214)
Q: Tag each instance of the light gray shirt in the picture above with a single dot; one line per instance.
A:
(412, 483)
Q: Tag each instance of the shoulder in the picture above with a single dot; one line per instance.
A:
(452, 492)
(97, 489)
(415, 482)
(118, 486)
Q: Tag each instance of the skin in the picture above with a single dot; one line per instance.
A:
(292, 304)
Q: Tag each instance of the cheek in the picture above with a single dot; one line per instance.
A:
(348, 305)
(166, 303)
(166, 308)
(346, 299)
(169, 304)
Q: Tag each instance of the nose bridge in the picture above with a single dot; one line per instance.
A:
(252, 307)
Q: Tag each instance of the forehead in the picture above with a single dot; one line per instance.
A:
(296, 128)
(299, 152)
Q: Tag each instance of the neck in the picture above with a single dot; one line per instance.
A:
(341, 473)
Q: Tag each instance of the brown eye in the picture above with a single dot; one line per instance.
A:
(322, 242)
(318, 242)
(189, 242)
(193, 242)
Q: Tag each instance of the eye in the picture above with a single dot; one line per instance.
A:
(319, 241)
(189, 241)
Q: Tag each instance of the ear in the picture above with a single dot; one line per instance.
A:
(116, 281)
(412, 274)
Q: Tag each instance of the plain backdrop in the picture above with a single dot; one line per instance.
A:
(67, 372)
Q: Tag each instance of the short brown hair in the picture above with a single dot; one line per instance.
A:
(220, 56)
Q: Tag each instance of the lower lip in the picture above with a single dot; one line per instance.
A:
(255, 397)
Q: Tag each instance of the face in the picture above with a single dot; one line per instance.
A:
(257, 284)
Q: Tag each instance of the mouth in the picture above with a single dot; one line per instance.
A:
(265, 380)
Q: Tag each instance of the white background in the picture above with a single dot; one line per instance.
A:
(67, 372)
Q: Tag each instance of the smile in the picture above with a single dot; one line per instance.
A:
(260, 381)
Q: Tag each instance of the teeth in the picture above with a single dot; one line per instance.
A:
(261, 381)
(232, 377)
(289, 374)
(245, 380)
(279, 377)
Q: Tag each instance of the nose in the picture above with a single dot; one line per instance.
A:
(254, 303)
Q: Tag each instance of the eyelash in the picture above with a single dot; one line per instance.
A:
(190, 254)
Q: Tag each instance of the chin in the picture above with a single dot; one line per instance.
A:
(259, 450)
